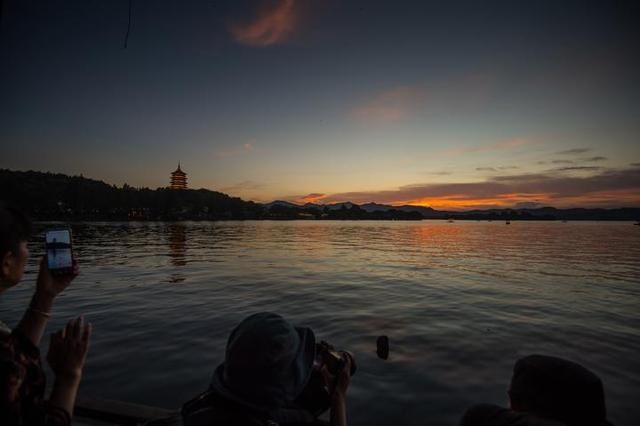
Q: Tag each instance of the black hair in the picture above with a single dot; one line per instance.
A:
(558, 389)
(15, 227)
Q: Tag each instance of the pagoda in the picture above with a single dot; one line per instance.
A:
(178, 179)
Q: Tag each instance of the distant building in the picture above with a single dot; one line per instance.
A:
(178, 179)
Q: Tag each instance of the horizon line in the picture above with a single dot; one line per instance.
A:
(297, 204)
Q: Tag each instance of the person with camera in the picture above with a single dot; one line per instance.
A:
(22, 380)
(274, 374)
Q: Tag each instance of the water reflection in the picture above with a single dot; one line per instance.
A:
(177, 251)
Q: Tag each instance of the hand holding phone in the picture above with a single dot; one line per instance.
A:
(58, 268)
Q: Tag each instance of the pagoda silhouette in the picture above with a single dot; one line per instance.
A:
(178, 179)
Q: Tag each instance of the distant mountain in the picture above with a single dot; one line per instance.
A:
(425, 211)
(540, 213)
(311, 206)
(375, 207)
(336, 206)
(281, 203)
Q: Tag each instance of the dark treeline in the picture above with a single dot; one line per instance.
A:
(49, 196)
(54, 196)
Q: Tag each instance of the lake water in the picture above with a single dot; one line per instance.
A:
(459, 301)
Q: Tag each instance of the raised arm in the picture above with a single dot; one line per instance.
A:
(34, 321)
(339, 395)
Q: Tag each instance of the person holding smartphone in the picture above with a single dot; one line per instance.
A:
(22, 380)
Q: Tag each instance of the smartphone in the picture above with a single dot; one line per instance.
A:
(59, 254)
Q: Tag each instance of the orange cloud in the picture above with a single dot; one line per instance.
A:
(272, 25)
(389, 106)
(310, 198)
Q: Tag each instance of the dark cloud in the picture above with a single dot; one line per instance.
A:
(442, 173)
(635, 164)
(523, 177)
(495, 169)
(577, 168)
(574, 151)
(597, 158)
(562, 162)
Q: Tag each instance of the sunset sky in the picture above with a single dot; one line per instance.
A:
(448, 104)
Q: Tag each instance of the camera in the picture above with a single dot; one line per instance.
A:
(316, 397)
(327, 355)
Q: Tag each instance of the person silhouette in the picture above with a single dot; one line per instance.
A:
(22, 379)
(268, 366)
(546, 391)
